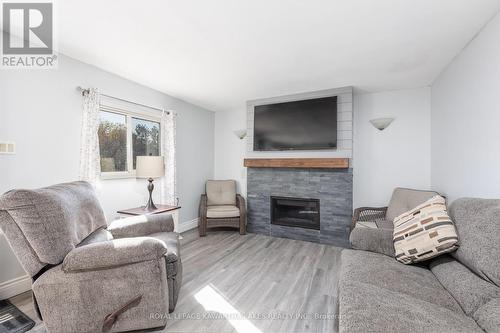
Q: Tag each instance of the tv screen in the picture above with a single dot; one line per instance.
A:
(300, 125)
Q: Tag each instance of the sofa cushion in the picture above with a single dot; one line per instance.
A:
(424, 232)
(468, 289)
(488, 316)
(219, 212)
(365, 308)
(54, 219)
(384, 272)
(478, 226)
(378, 294)
(221, 192)
(404, 199)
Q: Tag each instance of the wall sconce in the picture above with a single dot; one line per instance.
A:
(381, 123)
(241, 134)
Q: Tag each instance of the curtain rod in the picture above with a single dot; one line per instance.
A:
(84, 91)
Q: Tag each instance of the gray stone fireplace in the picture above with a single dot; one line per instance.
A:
(298, 193)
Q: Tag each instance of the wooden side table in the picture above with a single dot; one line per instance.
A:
(174, 210)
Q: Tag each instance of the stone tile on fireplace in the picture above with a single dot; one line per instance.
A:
(333, 187)
(304, 234)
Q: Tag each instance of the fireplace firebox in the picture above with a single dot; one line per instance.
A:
(295, 212)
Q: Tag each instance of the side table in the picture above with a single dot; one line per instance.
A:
(174, 210)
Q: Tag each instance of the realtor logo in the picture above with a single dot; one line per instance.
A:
(28, 35)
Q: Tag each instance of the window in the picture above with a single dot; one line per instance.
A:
(113, 142)
(145, 138)
(122, 137)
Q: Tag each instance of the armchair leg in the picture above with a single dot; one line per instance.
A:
(202, 227)
(243, 229)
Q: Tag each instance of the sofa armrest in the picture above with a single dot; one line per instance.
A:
(112, 253)
(368, 214)
(379, 240)
(141, 225)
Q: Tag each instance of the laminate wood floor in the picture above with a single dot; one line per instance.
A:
(251, 284)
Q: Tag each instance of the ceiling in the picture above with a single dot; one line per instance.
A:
(220, 53)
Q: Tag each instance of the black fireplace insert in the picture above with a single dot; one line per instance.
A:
(295, 212)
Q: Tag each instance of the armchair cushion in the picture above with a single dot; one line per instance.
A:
(221, 192)
(404, 199)
(141, 225)
(112, 253)
(224, 211)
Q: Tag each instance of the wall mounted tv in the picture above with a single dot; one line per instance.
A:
(299, 125)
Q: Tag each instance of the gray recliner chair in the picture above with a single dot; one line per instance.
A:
(87, 276)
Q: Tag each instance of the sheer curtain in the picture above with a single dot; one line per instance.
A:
(89, 146)
(168, 147)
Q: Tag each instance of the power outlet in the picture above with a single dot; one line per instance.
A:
(7, 147)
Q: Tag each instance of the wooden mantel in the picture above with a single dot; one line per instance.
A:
(320, 163)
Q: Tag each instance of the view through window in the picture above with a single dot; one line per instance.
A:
(145, 138)
(123, 137)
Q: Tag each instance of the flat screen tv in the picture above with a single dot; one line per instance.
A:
(300, 125)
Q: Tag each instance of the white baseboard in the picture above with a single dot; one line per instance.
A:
(15, 286)
(188, 225)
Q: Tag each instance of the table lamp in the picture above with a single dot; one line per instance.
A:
(150, 167)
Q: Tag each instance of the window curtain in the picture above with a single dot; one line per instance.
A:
(89, 146)
(169, 182)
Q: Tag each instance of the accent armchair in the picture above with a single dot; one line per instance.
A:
(88, 277)
(372, 227)
(221, 207)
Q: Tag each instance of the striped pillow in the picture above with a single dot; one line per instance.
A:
(424, 232)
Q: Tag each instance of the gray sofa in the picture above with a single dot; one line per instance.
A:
(87, 276)
(459, 292)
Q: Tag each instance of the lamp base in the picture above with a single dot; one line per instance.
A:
(150, 206)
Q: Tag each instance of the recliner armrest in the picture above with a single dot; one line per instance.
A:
(112, 253)
(141, 225)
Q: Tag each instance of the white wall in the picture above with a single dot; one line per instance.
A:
(41, 111)
(229, 149)
(396, 156)
(466, 120)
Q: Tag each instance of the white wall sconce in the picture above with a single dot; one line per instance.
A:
(381, 123)
(241, 134)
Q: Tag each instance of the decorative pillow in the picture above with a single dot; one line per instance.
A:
(424, 232)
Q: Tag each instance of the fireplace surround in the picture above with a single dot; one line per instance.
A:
(331, 187)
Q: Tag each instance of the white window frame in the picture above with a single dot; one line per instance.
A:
(130, 173)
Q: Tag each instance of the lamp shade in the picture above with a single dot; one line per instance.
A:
(150, 167)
